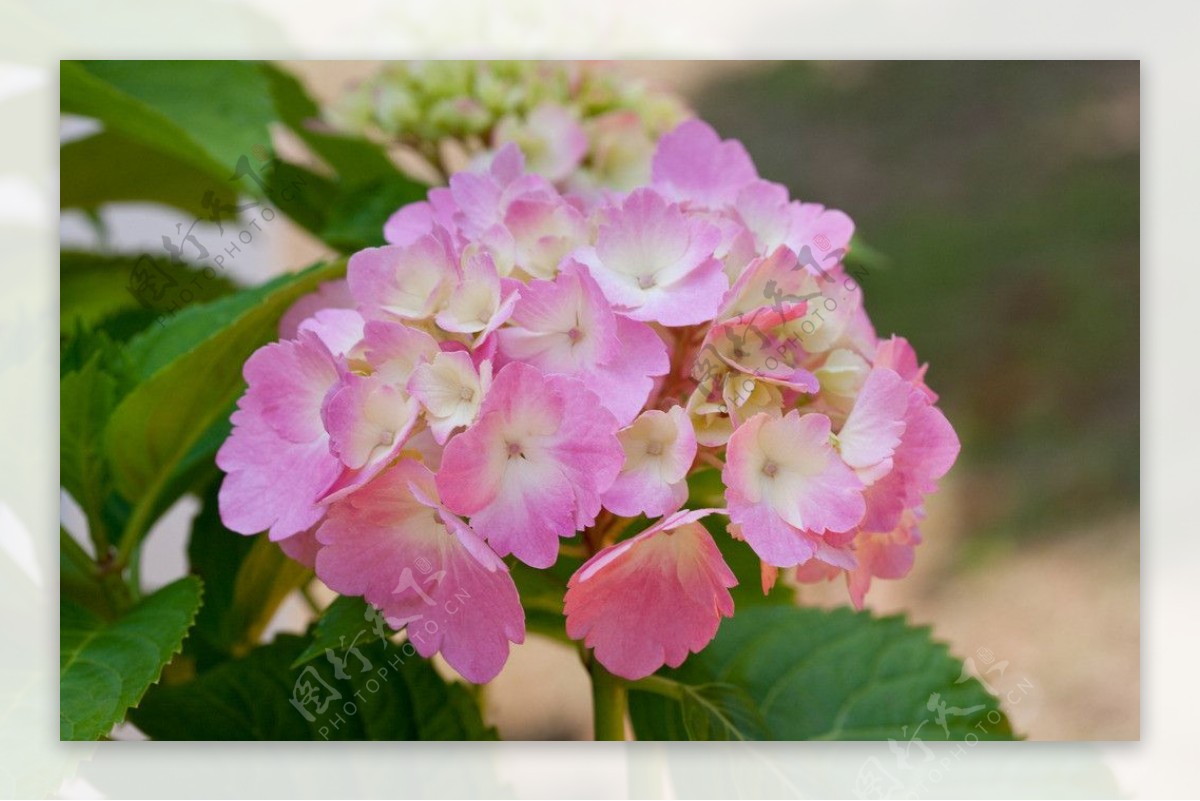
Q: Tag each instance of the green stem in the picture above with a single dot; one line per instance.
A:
(74, 551)
(608, 703)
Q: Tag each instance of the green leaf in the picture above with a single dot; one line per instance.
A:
(86, 398)
(192, 373)
(542, 593)
(386, 692)
(111, 168)
(95, 287)
(343, 621)
(832, 675)
(720, 712)
(245, 580)
(304, 196)
(713, 711)
(211, 114)
(106, 667)
(356, 219)
(356, 160)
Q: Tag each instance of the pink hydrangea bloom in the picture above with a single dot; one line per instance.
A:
(277, 431)
(394, 544)
(566, 327)
(651, 600)
(655, 263)
(519, 364)
(786, 486)
(532, 469)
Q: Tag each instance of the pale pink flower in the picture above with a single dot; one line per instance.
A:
(659, 450)
(533, 467)
(451, 391)
(786, 485)
(479, 303)
(650, 600)
(368, 420)
(566, 327)
(403, 282)
(396, 546)
(278, 432)
(655, 263)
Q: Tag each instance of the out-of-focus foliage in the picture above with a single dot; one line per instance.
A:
(1005, 197)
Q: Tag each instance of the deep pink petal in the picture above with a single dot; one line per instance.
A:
(651, 600)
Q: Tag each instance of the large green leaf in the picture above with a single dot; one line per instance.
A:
(109, 167)
(245, 581)
(106, 667)
(348, 619)
(211, 114)
(832, 675)
(713, 711)
(86, 399)
(385, 692)
(95, 287)
(192, 373)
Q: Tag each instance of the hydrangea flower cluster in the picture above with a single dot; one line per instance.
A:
(519, 365)
(581, 126)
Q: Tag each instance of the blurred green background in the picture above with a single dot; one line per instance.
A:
(1003, 199)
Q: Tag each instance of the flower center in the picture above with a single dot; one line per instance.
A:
(466, 394)
(514, 449)
(575, 335)
(769, 469)
(654, 448)
(387, 437)
(646, 281)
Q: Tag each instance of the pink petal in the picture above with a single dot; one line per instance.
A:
(784, 481)
(651, 600)
(287, 383)
(329, 295)
(406, 282)
(532, 468)
(659, 450)
(692, 163)
(385, 544)
(872, 431)
(253, 498)
(566, 327)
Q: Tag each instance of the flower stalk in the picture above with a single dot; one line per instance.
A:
(609, 702)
